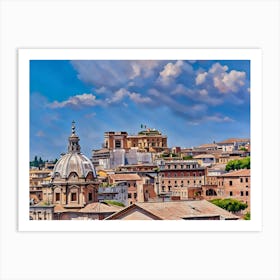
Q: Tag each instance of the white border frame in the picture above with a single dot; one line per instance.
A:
(254, 55)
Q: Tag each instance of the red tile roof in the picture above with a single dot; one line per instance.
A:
(237, 173)
(175, 210)
(125, 177)
(99, 207)
(233, 140)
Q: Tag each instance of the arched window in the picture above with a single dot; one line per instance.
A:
(211, 192)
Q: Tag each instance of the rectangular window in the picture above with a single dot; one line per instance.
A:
(118, 144)
(73, 196)
(57, 197)
(241, 180)
(230, 193)
(90, 196)
(247, 180)
(135, 195)
(129, 195)
(230, 183)
(241, 193)
(247, 193)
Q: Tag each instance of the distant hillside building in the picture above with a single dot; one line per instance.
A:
(233, 144)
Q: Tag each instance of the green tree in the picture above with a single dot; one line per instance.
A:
(231, 205)
(114, 202)
(41, 162)
(35, 162)
(238, 164)
(247, 216)
(187, 157)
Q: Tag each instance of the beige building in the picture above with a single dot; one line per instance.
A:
(38, 177)
(149, 140)
(181, 178)
(41, 211)
(234, 184)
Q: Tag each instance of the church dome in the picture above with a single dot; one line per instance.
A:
(73, 161)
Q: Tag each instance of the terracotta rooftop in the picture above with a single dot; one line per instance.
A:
(233, 140)
(237, 173)
(204, 156)
(125, 177)
(101, 151)
(99, 207)
(177, 210)
(208, 145)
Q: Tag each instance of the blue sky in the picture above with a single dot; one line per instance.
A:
(192, 102)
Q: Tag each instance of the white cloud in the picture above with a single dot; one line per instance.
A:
(118, 96)
(122, 93)
(200, 78)
(137, 98)
(225, 81)
(101, 90)
(217, 118)
(80, 100)
(172, 70)
(217, 68)
(203, 92)
(144, 68)
(113, 74)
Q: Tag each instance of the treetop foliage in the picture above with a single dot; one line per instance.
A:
(231, 205)
(238, 164)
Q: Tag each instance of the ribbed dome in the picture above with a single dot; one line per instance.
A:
(73, 162)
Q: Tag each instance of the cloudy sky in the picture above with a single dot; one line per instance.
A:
(192, 102)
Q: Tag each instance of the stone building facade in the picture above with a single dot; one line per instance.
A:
(149, 140)
(233, 184)
(179, 177)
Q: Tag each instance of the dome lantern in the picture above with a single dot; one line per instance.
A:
(73, 146)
